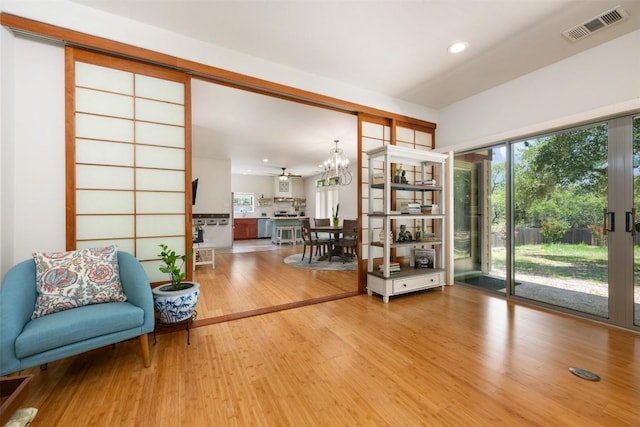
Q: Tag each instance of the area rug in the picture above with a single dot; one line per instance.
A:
(337, 265)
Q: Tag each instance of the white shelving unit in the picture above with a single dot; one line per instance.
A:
(385, 280)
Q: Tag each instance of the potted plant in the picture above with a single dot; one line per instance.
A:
(175, 301)
(397, 174)
(336, 215)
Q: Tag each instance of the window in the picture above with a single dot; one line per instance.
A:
(327, 199)
(243, 203)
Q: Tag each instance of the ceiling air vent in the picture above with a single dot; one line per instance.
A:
(604, 20)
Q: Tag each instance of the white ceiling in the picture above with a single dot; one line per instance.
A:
(395, 47)
(247, 128)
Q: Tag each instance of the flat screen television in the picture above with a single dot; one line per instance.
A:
(194, 190)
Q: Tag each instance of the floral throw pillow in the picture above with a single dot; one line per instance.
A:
(73, 279)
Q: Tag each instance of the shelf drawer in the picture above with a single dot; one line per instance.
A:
(417, 282)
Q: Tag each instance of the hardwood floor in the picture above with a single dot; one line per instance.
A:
(456, 357)
(252, 278)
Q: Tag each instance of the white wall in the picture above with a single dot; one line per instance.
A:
(6, 149)
(214, 185)
(310, 190)
(214, 196)
(258, 185)
(77, 17)
(33, 141)
(594, 84)
(349, 200)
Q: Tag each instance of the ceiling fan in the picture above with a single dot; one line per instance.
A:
(286, 175)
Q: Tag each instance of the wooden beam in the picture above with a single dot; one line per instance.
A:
(196, 69)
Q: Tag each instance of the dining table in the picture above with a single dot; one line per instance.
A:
(334, 250)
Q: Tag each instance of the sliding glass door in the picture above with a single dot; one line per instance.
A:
(479, 218)
(560, 196)
(553, 219)
(636, 212)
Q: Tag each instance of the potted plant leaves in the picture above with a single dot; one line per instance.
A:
(397, 176)
(176, 301)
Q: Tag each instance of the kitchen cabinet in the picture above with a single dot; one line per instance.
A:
(245, 228)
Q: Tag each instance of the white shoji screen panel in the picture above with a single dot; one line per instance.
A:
(100, 152)
(414, 138)
(419, 140)
(159, 134)
(130, 159)
(373, 135)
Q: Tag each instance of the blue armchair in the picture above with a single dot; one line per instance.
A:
(26, 342)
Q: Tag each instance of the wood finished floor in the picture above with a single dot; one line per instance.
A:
(245, 281)
(456, 357)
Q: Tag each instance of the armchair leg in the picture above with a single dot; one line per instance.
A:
(144, 344)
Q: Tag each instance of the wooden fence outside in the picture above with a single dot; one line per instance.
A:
(533, 236)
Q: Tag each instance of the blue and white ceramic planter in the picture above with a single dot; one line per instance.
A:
(175, 306)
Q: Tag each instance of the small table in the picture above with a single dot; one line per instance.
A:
(336, 231)
(204, 254)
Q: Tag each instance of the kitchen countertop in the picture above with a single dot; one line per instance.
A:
(287, 217)
(272, 217)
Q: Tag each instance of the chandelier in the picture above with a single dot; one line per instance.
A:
(336, 168)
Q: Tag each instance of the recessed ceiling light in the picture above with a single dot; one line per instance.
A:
(457, 47)
(265, 160)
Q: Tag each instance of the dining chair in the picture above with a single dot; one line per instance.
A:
(348, 242)
(325, 237)
(308, 239)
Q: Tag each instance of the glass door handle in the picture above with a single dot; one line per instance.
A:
(630, 221)
(609, 221)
